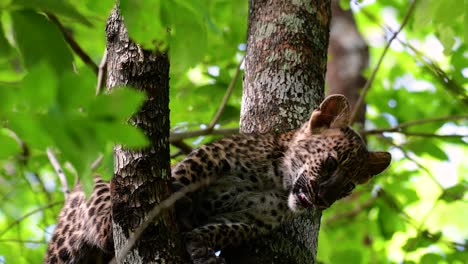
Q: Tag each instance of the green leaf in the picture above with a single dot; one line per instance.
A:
(454, 193)
(75, 137)
(5, 47)
(118, 105)
(76, 90)
(421, 19)
(39, 88)
(29, 129)
(388, 221)
(125, 134)
(346, 256)
(431, 258)
(57, 7)
(9, 145)
(345, 4)
(188, 26)
(143, 22)
(422, 241)
(39, 40)
(429, 147)
(447, 38)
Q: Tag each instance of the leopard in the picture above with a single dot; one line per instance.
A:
(252, 184)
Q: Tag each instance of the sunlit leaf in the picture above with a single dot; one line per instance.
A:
(422, 241)
(454, 193)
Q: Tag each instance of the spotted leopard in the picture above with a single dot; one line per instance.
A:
(256, 183)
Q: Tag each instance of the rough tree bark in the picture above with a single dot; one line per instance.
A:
(284, 80)
(348, 57)
(141, 177)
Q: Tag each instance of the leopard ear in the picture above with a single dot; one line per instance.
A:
(332, 113)
(377, 161)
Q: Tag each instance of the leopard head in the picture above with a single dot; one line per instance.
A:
(327, 159)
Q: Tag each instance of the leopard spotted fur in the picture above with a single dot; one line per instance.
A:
(256, 182)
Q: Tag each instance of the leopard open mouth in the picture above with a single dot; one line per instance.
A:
(305, 202)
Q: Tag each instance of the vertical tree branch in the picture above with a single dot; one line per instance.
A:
(284, 80)
(142, 177)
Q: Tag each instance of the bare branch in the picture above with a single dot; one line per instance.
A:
(422, 134)
(177, 154)
(413, 123)
(184, 147)
(174, 137)
(367, 86)
(102, 72)
(97, 162)
(73, 44)
(11, 240)
(58, 169)
(37, 210)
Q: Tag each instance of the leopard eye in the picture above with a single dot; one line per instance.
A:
(331, 164)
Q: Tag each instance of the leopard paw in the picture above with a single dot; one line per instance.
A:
(200, 253)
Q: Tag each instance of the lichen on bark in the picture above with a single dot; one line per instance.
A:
(284, 80)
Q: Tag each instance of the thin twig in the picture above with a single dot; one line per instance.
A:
(165, 204)
(429, 64)
(37, 210)
(177, 154)
(413, 123)
(73, 44)
(369, 81)
(417, 134)
(228, 93)
(174, 137)
(184, 147)
(451, 85)
(102, 71)
(11, 240)
(97, 162)
(58, 169)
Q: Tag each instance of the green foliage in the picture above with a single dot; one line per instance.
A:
(413, 213)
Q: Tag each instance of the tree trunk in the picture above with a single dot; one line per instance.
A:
(284, 80)
(349, 56)
(141, 177)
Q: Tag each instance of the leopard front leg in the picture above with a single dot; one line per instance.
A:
(202, 241)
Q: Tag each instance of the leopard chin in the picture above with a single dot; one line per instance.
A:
(298, 202)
